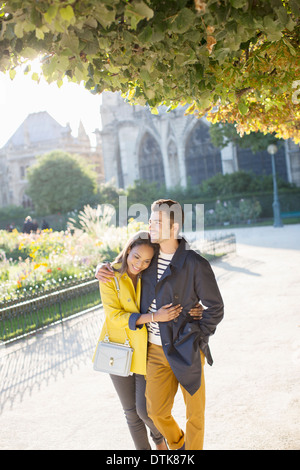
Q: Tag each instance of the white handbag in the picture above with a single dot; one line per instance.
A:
(113, 358)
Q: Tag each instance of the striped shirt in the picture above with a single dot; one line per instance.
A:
(153, 327)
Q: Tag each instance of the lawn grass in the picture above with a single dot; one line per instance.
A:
(38, 314)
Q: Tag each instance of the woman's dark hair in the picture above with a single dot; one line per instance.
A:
(138, 239)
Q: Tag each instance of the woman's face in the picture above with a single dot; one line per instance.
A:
(139, 258)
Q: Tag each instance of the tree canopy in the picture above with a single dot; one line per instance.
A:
(234, 61)
(222, 134)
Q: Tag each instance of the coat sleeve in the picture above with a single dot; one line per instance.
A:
(117, 316)
(208, 292)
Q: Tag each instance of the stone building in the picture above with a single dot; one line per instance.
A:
(175, 149)
(37, 135)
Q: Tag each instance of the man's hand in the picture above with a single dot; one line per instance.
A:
(196, 312)
(105, 273)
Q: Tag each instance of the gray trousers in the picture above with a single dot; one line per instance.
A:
(131, 392)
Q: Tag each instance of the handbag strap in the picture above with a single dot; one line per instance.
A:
(117, 285)
(127, 341)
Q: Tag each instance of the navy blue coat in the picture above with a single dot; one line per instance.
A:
(188, 279)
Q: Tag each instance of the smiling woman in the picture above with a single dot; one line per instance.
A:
(70, 103)
(139, 258)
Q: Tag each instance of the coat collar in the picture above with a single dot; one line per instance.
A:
(178, 259)
(180, 254)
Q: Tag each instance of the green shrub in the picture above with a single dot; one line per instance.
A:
(226, 212)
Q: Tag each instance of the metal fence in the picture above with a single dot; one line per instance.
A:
(216, 247)
(18, 319)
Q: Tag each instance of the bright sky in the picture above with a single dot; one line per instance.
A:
(68, 104)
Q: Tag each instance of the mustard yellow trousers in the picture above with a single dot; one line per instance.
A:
(161, 388)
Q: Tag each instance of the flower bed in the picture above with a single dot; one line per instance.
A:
(37, 263)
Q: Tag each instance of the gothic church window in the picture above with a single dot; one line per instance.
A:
(203, 160)
(173, 163)
(151, 166)
(27, 202)
(260, 162)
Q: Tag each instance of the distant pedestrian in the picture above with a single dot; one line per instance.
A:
(28, 225)
(10, 227)
(35, 225)
(45, 225)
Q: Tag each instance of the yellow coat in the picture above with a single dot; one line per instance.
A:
(118, 306)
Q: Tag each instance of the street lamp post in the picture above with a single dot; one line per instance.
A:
(272, 149)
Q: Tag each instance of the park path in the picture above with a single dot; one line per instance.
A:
(50, 397)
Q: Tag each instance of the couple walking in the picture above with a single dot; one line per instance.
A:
(161, 282)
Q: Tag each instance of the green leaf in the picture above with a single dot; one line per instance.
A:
(141, 9)
(243, 108)
(105, 16)
(146, 34)
(39, 33)
(19, 30)
(12, 74)
(150, 93)
(29, 53)
(294, 5)
(137, 11)
(272, 29)
(51, 13)
(28, 26)
(67, 13)
(289, 45)
(184, 20)
(144, 74)
(35, 76)
(49, 67)
(239, 3)
(62, 64)
(70, 41)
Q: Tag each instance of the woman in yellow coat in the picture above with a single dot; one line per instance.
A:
(121, 300)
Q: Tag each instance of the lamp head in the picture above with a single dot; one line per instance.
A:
(272, 149)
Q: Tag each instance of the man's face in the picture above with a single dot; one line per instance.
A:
(159, 227)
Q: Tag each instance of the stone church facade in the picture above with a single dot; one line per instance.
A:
(174, 149)
(37, 135)
(168, 148)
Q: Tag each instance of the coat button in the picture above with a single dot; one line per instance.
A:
(175, 320)
(128, 300)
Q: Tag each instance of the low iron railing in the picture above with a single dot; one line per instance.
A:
(221, 246)
(20, 318)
